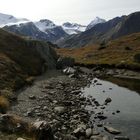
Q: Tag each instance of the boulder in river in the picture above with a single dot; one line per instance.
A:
(99, 137)
(112, 130)
(121, 138)
(108, 100)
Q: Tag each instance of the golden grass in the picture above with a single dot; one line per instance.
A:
(4, 104)
(115, 52)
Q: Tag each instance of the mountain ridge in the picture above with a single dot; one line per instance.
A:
(102, 32)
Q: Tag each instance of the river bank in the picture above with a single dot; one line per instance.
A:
(58, 99)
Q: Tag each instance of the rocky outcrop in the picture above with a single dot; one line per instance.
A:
(112, 29)
(21, 58)
(63, 62)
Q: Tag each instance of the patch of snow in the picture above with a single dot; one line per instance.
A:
(10, 20)
(73, 28)
(44, 24)
(96, 21)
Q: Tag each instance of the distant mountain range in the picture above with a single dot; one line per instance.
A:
(102, 32)
(44, 29)
(73, 34)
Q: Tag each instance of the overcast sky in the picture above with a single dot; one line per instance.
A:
(80, 11)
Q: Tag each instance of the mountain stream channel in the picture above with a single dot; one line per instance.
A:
(67, 102)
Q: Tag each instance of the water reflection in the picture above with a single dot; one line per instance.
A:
(131, 84)
(127, 100)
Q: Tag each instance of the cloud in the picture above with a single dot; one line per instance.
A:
(81, 11)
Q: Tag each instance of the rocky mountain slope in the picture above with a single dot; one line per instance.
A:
(112, 29)
(30, 30)
(123, 52)
(21, 58)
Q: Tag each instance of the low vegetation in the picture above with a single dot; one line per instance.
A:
(122, 52)
(4, 104)
(137, 57)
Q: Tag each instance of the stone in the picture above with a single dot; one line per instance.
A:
(117, 111)
(59, 109)
(69, 70)
(112, 130)
(65, 62)
(102, 107)
(99, 137)
(29, 113)
(45, 108)
(80, 131)
(94, 132)
(20, 139)
(55, 101)
(101, 117)
(88, 132)
(32, 97)
(99, 84)
(99, 124)
(75, 91)
(42, 130)
(121, 138)
(69, 137)
(108, 100)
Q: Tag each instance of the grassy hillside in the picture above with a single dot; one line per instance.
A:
(20, 58)
(120, 52)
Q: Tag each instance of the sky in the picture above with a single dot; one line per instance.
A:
(60, 11)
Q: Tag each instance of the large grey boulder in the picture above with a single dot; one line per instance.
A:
(63, 62)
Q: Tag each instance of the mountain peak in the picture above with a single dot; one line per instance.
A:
(10, 20)
(96, 21)
(73, 28)
(44, 24)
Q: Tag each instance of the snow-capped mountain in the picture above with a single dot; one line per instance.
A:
(96, 21)
(73, 28)
(44, 24)
(43, 29)
(10, 20)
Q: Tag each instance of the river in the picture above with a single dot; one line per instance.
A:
(123, 112)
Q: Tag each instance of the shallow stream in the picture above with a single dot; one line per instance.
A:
(123, 113)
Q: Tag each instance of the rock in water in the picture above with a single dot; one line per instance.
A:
(111, 130)
(108, 100)
(121, 138)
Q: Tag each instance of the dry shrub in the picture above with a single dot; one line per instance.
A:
(4, 104)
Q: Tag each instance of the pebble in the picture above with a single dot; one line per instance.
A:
(32, 97)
